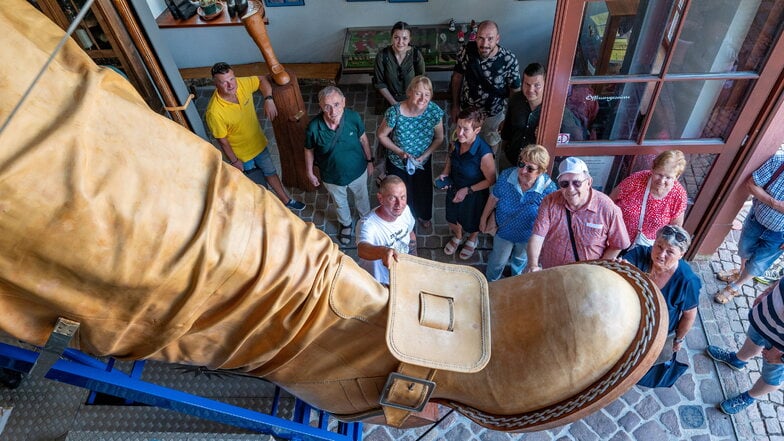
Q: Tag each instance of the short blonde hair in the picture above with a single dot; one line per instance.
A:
(671, 160)
(423, 80)
(535, 154)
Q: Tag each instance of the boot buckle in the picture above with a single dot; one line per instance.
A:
(406, 392)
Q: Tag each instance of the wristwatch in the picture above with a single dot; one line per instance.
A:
(268, 97)
(470, 190)
(371, 160)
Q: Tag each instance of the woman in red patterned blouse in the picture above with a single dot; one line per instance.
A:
(663, 196)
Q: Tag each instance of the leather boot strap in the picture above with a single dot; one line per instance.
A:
(407, 391)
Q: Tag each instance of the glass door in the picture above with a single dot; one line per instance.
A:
(652, 75)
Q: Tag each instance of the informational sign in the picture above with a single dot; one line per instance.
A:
(600, 167)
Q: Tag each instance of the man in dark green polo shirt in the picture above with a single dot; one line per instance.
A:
(336, 142)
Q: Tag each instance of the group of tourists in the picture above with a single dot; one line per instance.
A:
(495, 181)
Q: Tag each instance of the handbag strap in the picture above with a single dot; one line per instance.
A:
(571, 234)
(644, 204)
(774, 177)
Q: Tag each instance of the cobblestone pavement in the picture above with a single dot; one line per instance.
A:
(685, 411)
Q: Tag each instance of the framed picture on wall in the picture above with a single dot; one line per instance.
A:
(284, 2)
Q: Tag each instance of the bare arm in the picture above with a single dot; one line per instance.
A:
(488, 170)
(229, 152)
(309, 167)
(610, 253)
(760, 194)
(383, 134)
(534, 249)
(269, 105)
(375, 252)
(438, 140)
(489, 207)
(678, 220)
(412, 244)
(368, 154)
(684, 324)
(447, 167)
(387, 96)
(765, 293)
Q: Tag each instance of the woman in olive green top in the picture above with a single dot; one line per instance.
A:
(397, 64)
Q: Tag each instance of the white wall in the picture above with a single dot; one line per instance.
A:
(315, 32)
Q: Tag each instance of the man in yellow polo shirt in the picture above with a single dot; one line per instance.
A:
(231, 116)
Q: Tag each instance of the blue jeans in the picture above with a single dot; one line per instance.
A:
(505, 251)
(759, 246)
(772, 374)
(262, 161)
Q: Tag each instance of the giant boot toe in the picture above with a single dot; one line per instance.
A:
(560, 344)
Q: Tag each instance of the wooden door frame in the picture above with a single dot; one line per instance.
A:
(753, 139)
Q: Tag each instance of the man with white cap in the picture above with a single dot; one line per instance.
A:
(576, 222)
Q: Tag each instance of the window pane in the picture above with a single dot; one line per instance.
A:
(698, 109)
(622, 37)
(608, 111)
(727, 35)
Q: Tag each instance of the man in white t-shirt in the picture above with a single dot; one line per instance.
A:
(386, 230)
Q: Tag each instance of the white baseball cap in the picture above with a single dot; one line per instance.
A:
(572, 165)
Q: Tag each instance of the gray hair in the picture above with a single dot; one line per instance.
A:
(329, 90)
(675, 236)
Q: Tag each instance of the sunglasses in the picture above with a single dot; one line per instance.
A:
(575, 183)
(669, 231)
(530, 168)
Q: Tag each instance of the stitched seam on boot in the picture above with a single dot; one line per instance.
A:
(333, 304)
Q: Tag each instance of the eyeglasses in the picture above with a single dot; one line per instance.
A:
(575, 183)
(670, 231)
(530, 168)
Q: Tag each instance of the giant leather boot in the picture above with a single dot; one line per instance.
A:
(121, 220)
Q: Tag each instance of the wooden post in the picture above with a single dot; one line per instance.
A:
(289, 127)
(292, 120)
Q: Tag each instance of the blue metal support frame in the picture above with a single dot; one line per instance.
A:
(79, 369)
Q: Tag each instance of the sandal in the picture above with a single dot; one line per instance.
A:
(468, 250)
(728, 275)
(344, 237)
(725, 295)
(451, 247)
